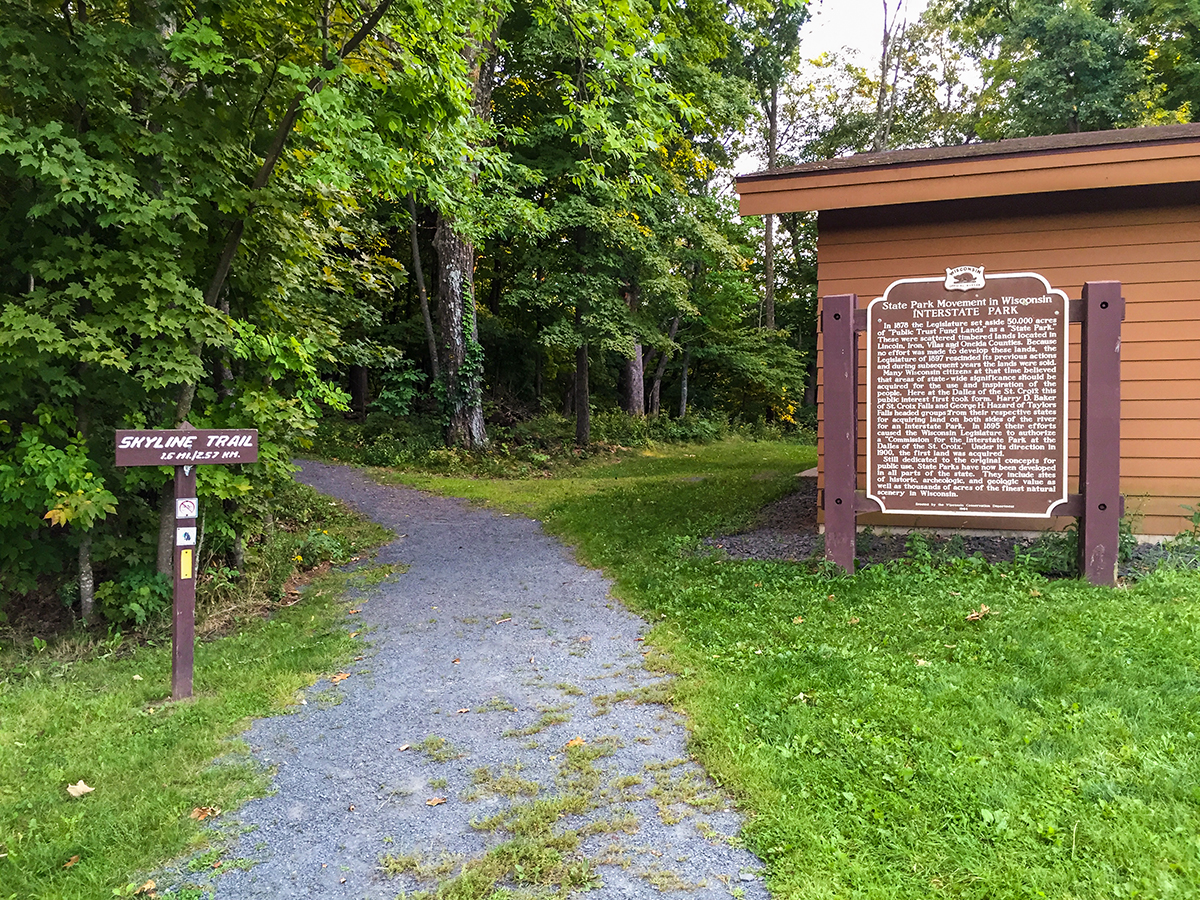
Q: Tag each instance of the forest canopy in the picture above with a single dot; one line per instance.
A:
(465, 214)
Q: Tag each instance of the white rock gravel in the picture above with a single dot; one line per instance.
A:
(344, 795)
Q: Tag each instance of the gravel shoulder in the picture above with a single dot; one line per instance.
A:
(787, 530)
(486, 657)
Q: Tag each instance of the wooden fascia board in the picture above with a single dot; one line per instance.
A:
(1124, 166)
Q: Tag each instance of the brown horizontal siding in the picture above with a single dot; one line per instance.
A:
(1142, 331)
(1162, 410)
(1013, 257)
(1155, 253)
(1035, 236)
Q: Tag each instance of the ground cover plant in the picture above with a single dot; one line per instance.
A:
(919, 729)
(80, 709)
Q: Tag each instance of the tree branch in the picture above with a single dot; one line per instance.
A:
(234, 237)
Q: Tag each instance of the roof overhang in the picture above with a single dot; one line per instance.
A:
(1166, 154)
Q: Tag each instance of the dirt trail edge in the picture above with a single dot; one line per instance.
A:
(517, 684)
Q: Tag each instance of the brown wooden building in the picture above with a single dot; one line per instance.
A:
(1116, 205)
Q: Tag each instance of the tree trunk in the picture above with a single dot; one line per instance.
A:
(419, 273)
(359, 392)
(634, 376)
(538, 365)
(460, 338)
(166, 529)
(635, 384)
(87, 582)
(889, 59)
(583, 411)
(463, 359)
(768, 316)
(664, 358)
(683, 385)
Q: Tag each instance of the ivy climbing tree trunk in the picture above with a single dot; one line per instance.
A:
(461, 352)
(462, 356)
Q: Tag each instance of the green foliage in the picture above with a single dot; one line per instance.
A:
(137, 146)
(1059, 67)
(136, 596)
(75, 708)
(399, 387)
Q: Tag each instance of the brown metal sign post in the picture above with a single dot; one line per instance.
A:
(185, 448)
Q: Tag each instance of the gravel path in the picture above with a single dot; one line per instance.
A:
(492, 632)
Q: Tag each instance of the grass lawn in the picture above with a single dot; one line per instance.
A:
(98, 714)
(883, 744)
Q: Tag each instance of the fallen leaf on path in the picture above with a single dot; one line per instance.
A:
(200, 813)
(435, 801)
(976, 614)
(797, 620)
(147, 888)
(70, 862)
(218, 864)
(354, 634)
(340, 676)
(585, 639)
(78, 790)
(574, 742)
(456, 661)
(353, 611)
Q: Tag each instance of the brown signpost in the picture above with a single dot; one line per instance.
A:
(967, 406)
(185, 448)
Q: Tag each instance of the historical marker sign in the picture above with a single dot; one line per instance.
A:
(967, 395)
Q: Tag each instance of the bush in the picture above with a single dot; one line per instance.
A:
(320, 547)
(135, 596)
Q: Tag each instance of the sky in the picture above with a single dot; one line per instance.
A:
(849, 23)
(834, 24)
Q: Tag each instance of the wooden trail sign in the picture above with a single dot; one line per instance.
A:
(185, 448)
(967, 406)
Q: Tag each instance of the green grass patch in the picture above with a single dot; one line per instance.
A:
(883, 744)
(81, 708)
